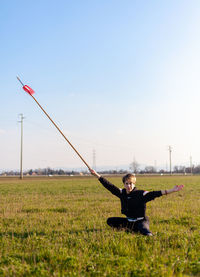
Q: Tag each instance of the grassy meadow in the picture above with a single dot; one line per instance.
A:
(57, 227)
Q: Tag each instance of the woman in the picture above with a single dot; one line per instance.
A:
(133, 203)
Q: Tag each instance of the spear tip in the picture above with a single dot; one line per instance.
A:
(19, 80)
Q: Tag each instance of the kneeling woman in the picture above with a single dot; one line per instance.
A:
(133, 203)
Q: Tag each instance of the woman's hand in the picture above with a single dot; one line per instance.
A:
(94, 173)
(175, 189)
(178, 187)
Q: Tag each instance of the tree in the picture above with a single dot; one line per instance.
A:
(30, 172)
(149, 169)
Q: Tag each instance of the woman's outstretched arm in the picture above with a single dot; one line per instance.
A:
(109, 186)
(174, 189)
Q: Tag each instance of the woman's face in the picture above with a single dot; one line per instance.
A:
(130, 184)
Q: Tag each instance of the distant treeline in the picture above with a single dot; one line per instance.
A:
(147, 170)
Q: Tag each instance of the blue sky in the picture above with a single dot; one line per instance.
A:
(120, 77)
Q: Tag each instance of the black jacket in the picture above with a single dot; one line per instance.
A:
(133, 204)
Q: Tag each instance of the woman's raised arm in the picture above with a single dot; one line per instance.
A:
(174, 189)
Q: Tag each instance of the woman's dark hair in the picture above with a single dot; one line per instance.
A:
(128, 176)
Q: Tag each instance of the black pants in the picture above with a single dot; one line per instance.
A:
(141, 226)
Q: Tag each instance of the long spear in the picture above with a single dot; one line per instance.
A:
(30, 91)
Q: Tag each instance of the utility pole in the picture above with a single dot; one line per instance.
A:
(21, 152)
(170, 159)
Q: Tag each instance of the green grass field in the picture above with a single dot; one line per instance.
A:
(57, 227)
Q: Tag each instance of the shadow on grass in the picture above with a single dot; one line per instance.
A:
(22, 235)
(87, 230)
(184, 221)
(58, 210)
(31, 210)
(35, 210)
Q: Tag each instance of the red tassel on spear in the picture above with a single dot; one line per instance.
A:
(27, 88)
(30, 91)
